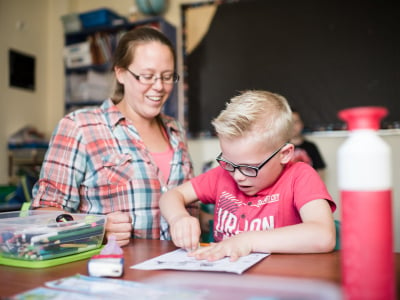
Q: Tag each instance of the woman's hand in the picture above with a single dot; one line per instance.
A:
(119, 224)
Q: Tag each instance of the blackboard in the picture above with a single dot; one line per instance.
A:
(323, 56)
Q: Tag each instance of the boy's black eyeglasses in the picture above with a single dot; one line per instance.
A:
(250, 171)
(169, 78)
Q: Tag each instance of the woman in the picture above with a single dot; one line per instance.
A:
(119, 158)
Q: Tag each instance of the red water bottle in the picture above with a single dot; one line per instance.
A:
(365, 183)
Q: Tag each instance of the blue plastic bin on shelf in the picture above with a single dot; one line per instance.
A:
(100, 17)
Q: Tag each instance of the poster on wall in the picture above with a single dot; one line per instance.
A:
(21, 70)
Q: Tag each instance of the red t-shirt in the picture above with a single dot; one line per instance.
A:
(275, 206)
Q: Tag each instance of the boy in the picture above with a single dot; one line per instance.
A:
(305, 150)
(272, 206)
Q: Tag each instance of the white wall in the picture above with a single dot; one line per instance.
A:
(206, 149)
(329, 142)
(42, 36)
(24, 26)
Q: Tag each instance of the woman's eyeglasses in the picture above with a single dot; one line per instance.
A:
(149, 79)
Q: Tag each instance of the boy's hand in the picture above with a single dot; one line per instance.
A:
(234, 247)
(185, 232)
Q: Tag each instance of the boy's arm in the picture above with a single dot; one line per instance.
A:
(316, 234)
(185, 229)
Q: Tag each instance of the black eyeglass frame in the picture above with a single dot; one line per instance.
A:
(175, 77)
(255, 168)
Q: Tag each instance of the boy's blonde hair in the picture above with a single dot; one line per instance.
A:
(262, 114)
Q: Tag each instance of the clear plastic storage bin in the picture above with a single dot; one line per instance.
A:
(37, 236)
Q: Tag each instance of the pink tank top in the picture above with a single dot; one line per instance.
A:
(163, 162)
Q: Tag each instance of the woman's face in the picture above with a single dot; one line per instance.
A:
(146, 100)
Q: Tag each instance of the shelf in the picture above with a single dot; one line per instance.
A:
(69, 105)
(87, 31)
(99, 68)
(79, 86)
(27, 158)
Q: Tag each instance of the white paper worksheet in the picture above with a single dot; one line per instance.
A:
(81, 287)
(179, 260)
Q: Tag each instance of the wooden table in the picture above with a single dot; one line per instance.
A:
(324, 267)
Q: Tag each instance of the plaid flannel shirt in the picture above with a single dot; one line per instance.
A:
(97, 163)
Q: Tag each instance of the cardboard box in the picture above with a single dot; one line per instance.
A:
(71, 23)
(91, 86)
(78, 55)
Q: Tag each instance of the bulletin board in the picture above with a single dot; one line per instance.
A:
(323, 56)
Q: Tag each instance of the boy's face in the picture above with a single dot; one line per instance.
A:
(248, 151)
